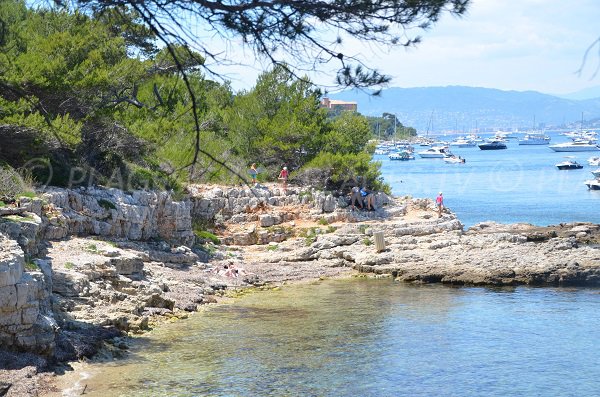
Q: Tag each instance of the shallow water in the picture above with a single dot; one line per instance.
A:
(519, 184)
(364, 337)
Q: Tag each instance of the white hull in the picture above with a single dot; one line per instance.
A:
(534, 142)
(463, 144)
(432, 155)
(574, 148)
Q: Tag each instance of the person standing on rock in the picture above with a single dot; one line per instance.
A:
(439, 203)
(283, 177)
(253, 172)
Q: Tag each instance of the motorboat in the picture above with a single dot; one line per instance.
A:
(593, 184)
(594, 161)
(575, 146)
(436, 152)
(475, 138)
(569, 165)
(535, 139)
(492, 145)
(454, 159)
(463, 142)
(402, 156)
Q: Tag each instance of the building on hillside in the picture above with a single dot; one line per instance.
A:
(335, 105)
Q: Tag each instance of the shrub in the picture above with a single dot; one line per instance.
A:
(340, 172)
(31, 266)
(207, 236)
(199, 227)
(11, 184)
(367, 241)
(323, 222)
(107, 205)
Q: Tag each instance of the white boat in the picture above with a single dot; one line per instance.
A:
(463, 142)
(402, 156)
(594, 161)
(436, 152)
(454, 159)
(596, 173)
(535, 139)
(382, 151)
(576, 146)
(475, 138)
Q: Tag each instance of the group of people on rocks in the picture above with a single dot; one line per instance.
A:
(283, 175)
(361, 197)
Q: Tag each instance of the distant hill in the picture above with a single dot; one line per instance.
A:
(438, 109)
(588, 93)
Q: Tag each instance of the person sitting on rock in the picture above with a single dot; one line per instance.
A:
(369, 198)
(355, 197)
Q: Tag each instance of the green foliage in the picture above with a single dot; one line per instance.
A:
(28, 194)
(87, 98)
(323, 222)
(69, 265)
(199, 227)
(12, 184)
(367, 241)
(277, 122)
(272, 247)
(349, 133)
(208, 236)
(106, 204)
(2, 204)
(345, 170)
(389, 127)
(92, 248)
(330, 229)
(31, 266)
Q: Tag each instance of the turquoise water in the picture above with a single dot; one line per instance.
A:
(365, 337)
(519, 184)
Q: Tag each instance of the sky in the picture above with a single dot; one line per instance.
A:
(505, 44)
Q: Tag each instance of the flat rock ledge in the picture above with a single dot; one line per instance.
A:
(427, 249)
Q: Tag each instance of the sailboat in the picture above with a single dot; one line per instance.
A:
(535, 138)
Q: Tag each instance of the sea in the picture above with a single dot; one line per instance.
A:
(518, 184)
(368, 338)
(382, 338)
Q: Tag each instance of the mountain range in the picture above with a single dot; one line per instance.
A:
(460, 108)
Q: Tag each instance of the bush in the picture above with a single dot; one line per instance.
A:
(107, 205)
(340, 172)
(11, 184)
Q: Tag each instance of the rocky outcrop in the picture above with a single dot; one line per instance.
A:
(113, 213)
(26, 321)
(421, 247)
(233, 203)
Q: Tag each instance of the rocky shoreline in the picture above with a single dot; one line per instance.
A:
(80, 269)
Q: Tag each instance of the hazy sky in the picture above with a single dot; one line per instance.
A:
(505, 44)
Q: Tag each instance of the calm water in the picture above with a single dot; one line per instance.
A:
(519, 184)
(371, 338)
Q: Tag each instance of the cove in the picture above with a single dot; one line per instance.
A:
(369, 337)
